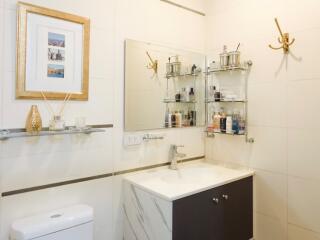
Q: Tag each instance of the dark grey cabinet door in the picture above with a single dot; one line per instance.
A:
(237, 205)
(198, 217)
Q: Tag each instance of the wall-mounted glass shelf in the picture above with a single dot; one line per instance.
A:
(212, 134)
(226, 101)
(182, 75)
(6, 134)
(243, 67)
(228, 69)
(174, 101)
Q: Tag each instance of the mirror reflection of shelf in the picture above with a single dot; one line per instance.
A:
(182, 75)
(193, 126)
(174, 101)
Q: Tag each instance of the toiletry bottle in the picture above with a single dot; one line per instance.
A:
(235, 122)
(229, 123)
(166, 119)
(217, 96)
(178, 96)
(173, 120)
(193, 69)
(187, 97)
(169, 120)
(183, 95)
(186, 120)
(193, 119)
(223, 121)
(242, 125)
(192, 97)
(210, 120)
(178, 120)
(216, 122)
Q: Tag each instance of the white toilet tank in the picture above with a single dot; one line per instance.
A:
(72, 223)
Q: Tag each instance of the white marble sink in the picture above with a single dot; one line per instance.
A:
(190, 178)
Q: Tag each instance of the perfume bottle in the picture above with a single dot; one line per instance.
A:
(178, 96)
(183, 95)
(192, 97)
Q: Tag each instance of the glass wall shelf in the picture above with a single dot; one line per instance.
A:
(226, 101)
(211, 133)
(243, 67)
(6, 134)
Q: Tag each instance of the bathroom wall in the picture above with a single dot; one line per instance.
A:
(283, 111)
(29, 162)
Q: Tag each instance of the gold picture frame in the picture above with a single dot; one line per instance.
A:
(23, 9)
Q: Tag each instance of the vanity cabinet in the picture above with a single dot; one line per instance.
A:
(222, 213)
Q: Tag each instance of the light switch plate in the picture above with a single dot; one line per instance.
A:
(132, 140)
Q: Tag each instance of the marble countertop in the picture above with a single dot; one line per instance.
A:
(190, 178)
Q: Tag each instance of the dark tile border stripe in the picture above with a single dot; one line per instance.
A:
(184, 7)
(79, 180)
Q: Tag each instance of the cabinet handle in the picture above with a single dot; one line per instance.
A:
(215, 200)
(226, 197)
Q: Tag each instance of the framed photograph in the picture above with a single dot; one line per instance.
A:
(52, 54)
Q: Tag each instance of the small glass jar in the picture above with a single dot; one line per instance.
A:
(57, 124)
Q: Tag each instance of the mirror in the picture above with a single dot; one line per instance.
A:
(164, 87)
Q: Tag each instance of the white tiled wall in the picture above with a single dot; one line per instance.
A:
(283, 111)
(36, 161)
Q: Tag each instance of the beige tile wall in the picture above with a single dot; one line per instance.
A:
(283, 111)
(36, 161)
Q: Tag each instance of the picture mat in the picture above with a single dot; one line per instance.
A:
(37, 55)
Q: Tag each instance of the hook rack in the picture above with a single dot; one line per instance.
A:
(153, 64)
(283, 39)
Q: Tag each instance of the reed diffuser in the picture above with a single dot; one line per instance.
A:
(57, 123)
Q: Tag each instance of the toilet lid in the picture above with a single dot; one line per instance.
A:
(54, 221)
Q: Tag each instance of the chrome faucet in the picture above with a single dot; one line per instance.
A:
(173, 155)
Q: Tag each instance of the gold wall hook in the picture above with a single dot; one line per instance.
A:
(283, 39)
(153, 64)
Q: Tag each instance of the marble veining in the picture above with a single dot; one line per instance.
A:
(146, 217)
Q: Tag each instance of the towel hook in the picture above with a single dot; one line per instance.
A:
(283, 39)
(153, 64)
